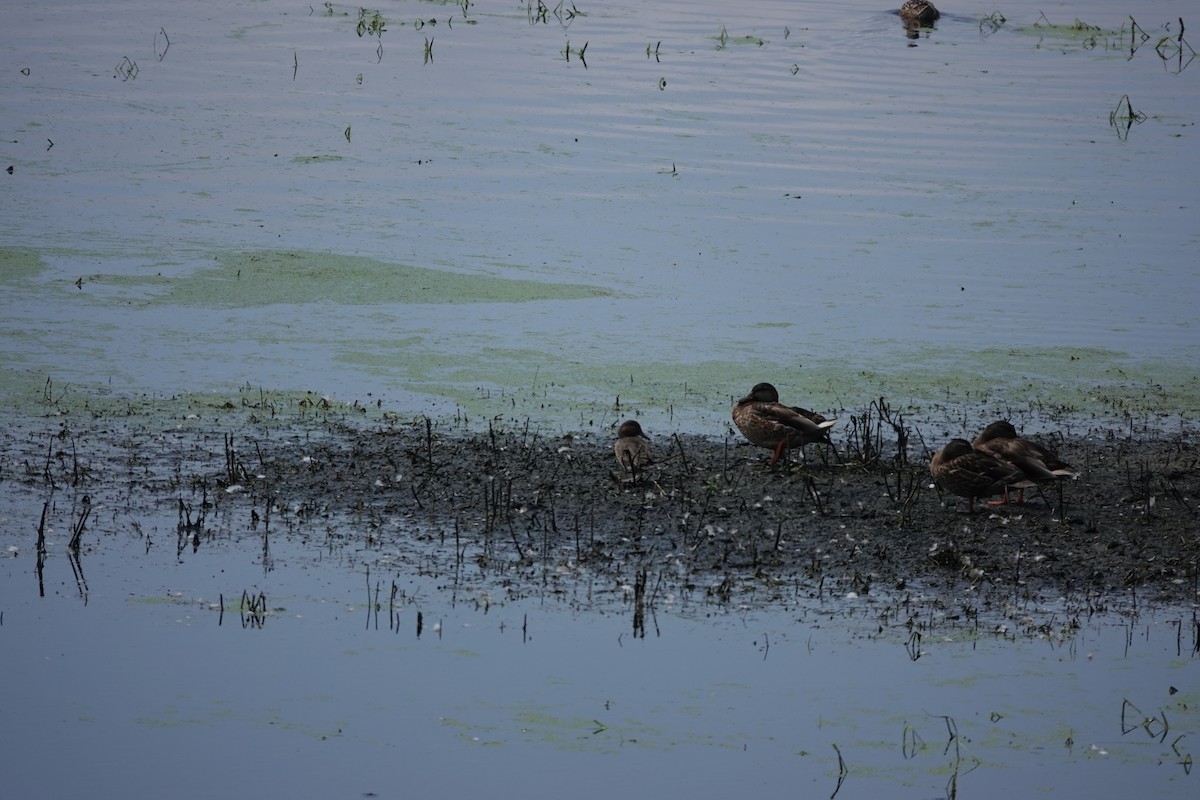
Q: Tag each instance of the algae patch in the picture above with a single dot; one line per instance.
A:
(1076, 32)
(20, 267)
(246, 280)
(32, 396)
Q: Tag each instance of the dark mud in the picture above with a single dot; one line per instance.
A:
(718, 520)
(710, 521)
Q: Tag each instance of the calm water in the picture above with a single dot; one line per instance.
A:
(127, 668)
(793, 191)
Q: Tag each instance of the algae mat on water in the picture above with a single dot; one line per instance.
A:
(262, 278)
(302, 277)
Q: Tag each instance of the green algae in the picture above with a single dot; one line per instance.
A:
(261, 278)
(1073, 30)
(255, 279)
(1081, 382)
(668, 385)
(1087, 385)
(316, 159)
(20, 267)
(1076, 33)
(31, 395)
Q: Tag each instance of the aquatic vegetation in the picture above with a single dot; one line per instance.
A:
(991, 23)
(1129, 38)
(1123, 117)
(162, 43)
(1171, 48)
(580, 53)
(370, 23)
(539, 12)
(724, 39)
(126, 69)
(252, 608)
(269, 277)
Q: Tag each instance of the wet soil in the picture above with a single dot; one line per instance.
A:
(710, 520)
(717, 517)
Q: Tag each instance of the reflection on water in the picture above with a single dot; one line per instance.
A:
(389, 673)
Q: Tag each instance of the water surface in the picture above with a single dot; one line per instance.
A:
(128, 664)
(794, 191)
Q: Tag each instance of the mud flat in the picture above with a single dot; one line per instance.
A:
(512, 508)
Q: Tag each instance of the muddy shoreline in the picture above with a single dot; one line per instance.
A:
(709, 521)
(712, 517)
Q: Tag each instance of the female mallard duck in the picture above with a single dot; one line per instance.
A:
(768, 423)
(632, 447)
(1036, 463)
(961, 469)
(919, 12)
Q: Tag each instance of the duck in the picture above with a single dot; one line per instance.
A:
(766, 422)
(919, 12)
(1036, 463)
(632, 447)
(963, 470)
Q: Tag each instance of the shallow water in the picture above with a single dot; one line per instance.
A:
(128, 664)
(812, 198)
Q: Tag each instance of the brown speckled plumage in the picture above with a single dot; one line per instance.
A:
(632, 447)
(1036, 463)
(962, 470)
(766, 422)
(919, 12)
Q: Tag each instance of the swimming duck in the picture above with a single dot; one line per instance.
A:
(918, 12)
(967, 472)
(1036, 463)
(632, 447)
(768, 423)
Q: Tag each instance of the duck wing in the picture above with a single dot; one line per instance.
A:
(807, 422)
(1036, 462)
(975, 474)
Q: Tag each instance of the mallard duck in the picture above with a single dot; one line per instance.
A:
(1036, 463)
(632, 447)
(918, 12)
(961, 469)
(768, 423)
